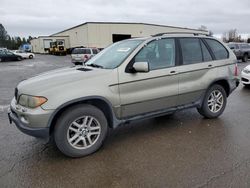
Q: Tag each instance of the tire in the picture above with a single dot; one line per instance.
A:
(245, 58)
(73, 137)
(19, 59)
(31, 57)
(1, 60)
(217, 104)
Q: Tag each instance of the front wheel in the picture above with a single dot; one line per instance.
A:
(80, 130)
(19, 59)
(214, 102)
(31, 57)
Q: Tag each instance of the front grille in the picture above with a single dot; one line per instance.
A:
(16, 93)
(244, 80)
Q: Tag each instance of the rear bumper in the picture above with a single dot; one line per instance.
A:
(234, 84)
(36, 132)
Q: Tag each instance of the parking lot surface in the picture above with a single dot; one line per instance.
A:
(181, 150)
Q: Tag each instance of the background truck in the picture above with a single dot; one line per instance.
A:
(241, 50)
(57, 48)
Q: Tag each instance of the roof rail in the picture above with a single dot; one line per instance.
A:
(161, 34)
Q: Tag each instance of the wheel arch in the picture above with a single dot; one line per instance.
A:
(224, 83)
(100, 102)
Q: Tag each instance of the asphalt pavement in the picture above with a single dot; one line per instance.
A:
(181, 150)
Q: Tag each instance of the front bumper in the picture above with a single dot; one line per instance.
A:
(33, 122)
(36, 132)
(245, 78)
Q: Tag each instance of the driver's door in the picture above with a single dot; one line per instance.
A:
(154, 90)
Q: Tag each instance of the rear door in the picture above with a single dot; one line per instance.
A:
(195, 71)
(155, 90)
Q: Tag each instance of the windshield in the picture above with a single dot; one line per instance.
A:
(112, 56)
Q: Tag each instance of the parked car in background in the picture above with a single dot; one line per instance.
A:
(245, 76)
(127, 81)
(6, 55)
(241, 50)
(82, 55)
(25, 55)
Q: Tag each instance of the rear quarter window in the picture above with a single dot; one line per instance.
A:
(219, 51)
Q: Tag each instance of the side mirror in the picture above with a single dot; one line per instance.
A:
(141, 67)
(232, 48)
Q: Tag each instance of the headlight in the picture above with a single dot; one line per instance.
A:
(31, 101)
(246, 71)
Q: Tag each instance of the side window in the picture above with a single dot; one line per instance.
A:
(218, 49)
(159, 54)
(94, 51)
(191, 50)
(206, 55)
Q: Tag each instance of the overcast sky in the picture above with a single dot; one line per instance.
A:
(45, 17)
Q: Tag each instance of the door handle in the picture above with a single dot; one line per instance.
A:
(210, 66)
(172, 72)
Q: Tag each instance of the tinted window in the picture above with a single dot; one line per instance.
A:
(191, 50)
(9, 53)
(244, 46)
(87, 51)
(81, 51)
(206, 55)
(218, 49)
(159, 54)
(232, 46)
(95, 51)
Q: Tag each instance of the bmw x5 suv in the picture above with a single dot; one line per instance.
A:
(133, 79)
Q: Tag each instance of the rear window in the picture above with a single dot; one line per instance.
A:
(219, 51)
(95, 51)
(81, 51)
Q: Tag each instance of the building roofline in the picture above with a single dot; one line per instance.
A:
(50, 36)
(135, 23)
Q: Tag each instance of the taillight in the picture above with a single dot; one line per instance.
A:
(236, 70)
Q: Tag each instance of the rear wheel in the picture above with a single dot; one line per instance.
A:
(245, 58)
(31, 57)
(80, 131)
(214, 102)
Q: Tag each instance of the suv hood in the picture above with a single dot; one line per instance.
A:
(45, 81)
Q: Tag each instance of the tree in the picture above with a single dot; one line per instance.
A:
(3, 36)
(29, 39)
(232, 36)
(204, 28)
(9, 42)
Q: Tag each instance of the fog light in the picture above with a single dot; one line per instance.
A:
(24, 120)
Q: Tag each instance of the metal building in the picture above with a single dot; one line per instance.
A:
(102, 34)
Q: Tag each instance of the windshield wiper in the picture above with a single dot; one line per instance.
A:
(95, 65)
